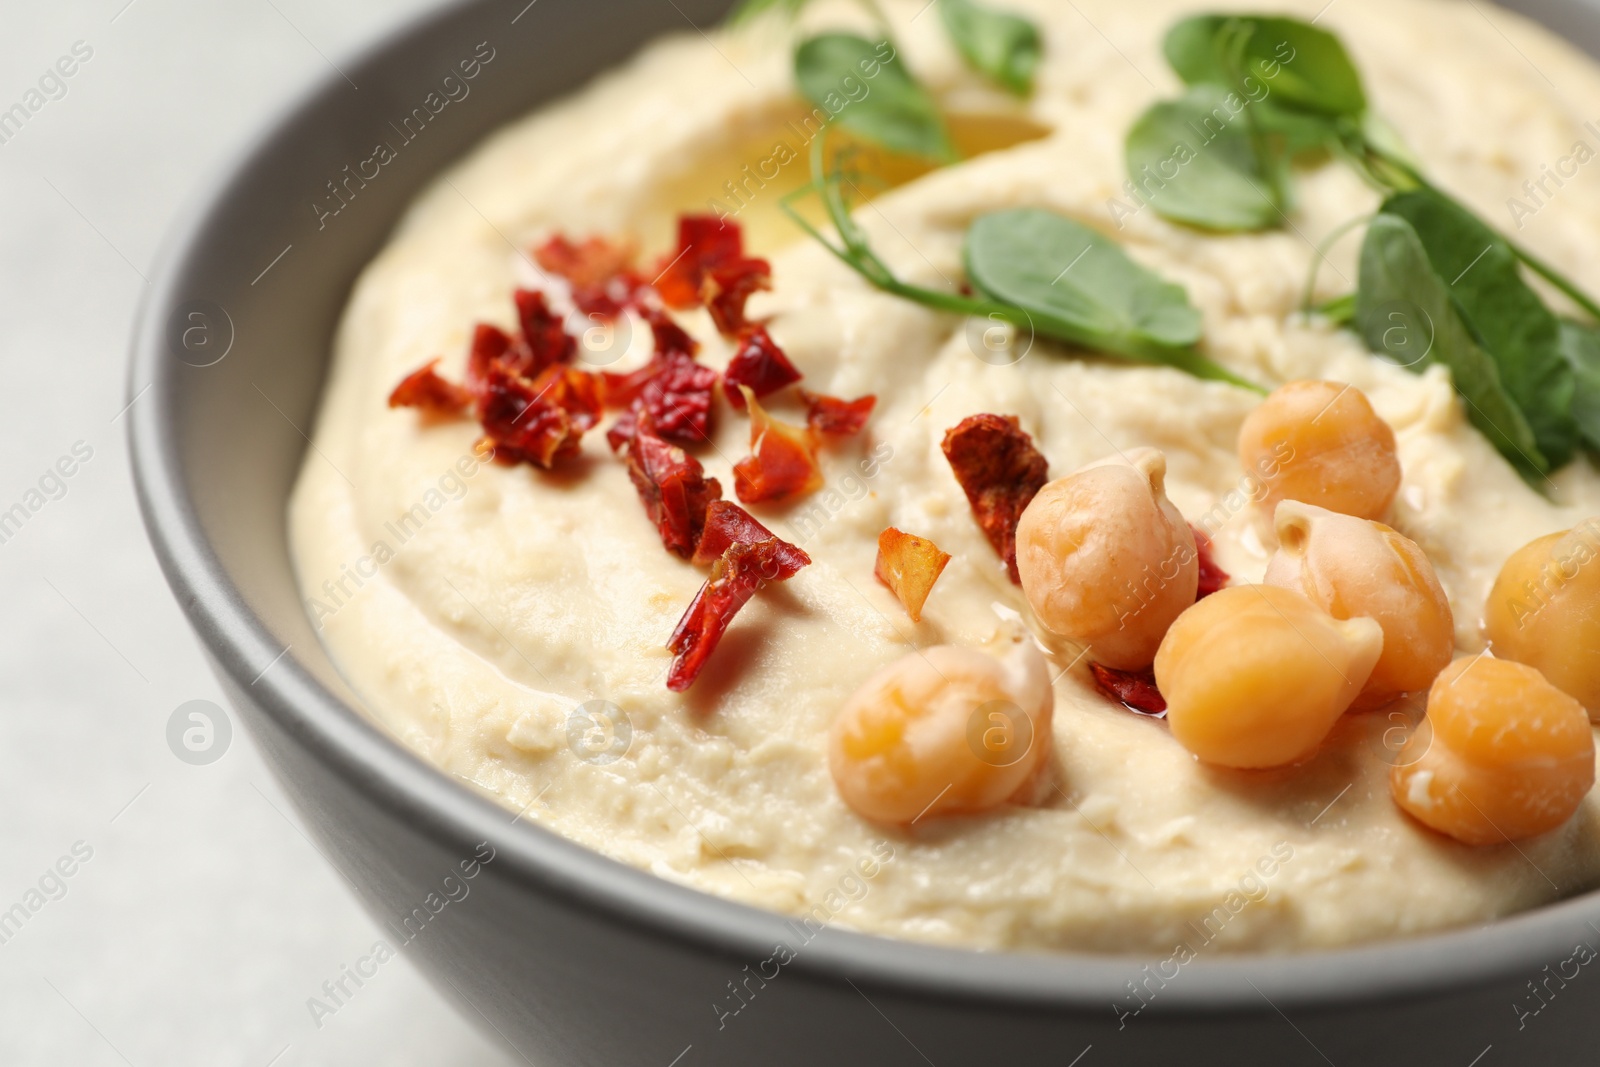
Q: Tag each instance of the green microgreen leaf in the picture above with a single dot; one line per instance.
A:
(997, 44)
(1580, 344)
(1302, 67)
(1505, 315)
(869, 91)
(1405, 312)
(1196, 162)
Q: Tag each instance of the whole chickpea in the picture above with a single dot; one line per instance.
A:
(1506, 756)
(1321, 443)
(1106, 559)
(1352, 567)
(1255, 676)
(1544, 610)
(947, 730)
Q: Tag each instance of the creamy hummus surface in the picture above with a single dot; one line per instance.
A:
(475, 606)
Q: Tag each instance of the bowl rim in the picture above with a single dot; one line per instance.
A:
(450, 811)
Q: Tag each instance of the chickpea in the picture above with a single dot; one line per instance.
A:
(944, 731)
(1352, 567)
(1106, 560)
(1256, 676)
(1544, 610)
(1321, 443)
(1507, 755)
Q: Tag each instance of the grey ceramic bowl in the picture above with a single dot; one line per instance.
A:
(568, 957)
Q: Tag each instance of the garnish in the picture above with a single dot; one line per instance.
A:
(1134, 690)
(1000, 470)
(998, 44)
(897, 112)
(544, 341)
(742, 568)
(671, 483)
(909, 566)
(433, 395)
(521, 423)
(1437, 283)
(1478, 269)
(600, 272)
(711, 269)
(759, 365)
(831, 415)
(1581, 346)
(782, 461)
(1026, 264)
(673, 389)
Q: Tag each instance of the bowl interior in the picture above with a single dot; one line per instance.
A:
(233, 347)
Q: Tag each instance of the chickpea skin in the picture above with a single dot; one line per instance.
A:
(1107, 560)
(1352, 567)
(1507, 755)
(1255, 676)
(944, 731)
(1321, 443)
(1544, 610)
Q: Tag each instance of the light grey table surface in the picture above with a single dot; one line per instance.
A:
(202, 921)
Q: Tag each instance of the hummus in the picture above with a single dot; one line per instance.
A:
(477, 606)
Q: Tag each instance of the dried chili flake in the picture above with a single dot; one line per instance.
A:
(831, 415)
(736, 575)
(490, 344)
(782, 461)
(710, 268)
(672, 485)
(600, 272)
(1212, 577)
(577, 392)
(758, 364)
(1000, 470)
(521, 424)
(909, 566)
(673, 389)
(425, 389)
(544, 341)
(1135, 690)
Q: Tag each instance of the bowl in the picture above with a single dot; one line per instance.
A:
(563, 955)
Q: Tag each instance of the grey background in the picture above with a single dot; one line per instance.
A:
(204, 919)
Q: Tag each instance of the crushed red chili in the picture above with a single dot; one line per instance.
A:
(782, 461)
(759, 365)
(523, 425)
(742, 568)
(671, 483)
(600, 272)
(710, 268)
(1135, 690)
(1000, 470)
(425, 389)
(1212, 577)
(673, 389)
(831, 415)
(544, 341)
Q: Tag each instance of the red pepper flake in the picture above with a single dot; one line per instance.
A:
(489, 345)
(545, 341)
(1135, 690)
(577, 392)
(522, 424)
(830, 415)
(1212, 577)
(673, 389)
(672, 484)
(1000, 470)
(436, 396)
(742, 568)
(782, 461)
(759, 364)
(600, 272)
(710, 268)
